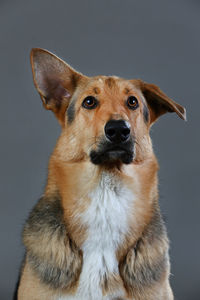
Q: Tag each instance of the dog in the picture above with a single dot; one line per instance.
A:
(97, 232)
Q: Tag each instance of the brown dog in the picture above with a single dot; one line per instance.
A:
(97, 232)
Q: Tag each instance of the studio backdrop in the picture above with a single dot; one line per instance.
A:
(157, 41)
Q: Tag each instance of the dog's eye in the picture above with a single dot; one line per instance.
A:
(132, 102)
(90, 102)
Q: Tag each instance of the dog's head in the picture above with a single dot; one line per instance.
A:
(105, 119)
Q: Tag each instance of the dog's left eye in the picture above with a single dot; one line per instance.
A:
(90, 102)
(132, 102)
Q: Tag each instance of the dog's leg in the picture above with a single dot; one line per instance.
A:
(145, 267)
(53, 261)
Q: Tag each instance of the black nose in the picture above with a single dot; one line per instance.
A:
(117, 130)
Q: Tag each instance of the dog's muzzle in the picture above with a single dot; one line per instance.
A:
(116, 146)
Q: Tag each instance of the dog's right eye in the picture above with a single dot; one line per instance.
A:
(90, 102)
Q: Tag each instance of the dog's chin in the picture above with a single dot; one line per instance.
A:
(113, 157)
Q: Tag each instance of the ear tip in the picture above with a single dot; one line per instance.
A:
(38, 51)
(35, 50)
(184, 114)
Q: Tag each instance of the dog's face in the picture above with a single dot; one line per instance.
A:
(105, 119)
(107, 116)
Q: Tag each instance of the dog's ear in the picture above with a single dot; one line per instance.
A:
(158, 102)
(55, 81)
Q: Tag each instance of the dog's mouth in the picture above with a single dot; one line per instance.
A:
(113, 154)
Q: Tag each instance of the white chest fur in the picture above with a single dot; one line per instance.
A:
(107, 222)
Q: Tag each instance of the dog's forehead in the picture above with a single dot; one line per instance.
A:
(111, 83)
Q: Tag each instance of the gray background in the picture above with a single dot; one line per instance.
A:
(155, 40)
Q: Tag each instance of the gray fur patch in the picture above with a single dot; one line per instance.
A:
(57, 278)
(71, 112)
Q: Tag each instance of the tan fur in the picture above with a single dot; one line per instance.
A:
(31, 288)
(72, 175)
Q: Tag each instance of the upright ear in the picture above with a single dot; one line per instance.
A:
(55, 81)
(158, 102)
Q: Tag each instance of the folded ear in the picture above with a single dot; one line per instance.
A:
(55, 81)
(158, 102)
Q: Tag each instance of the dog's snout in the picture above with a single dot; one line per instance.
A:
(117, 130)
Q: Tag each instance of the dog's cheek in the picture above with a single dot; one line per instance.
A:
(87, 132)
(142, 141)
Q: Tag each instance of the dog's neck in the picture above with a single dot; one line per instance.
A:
(78, 182)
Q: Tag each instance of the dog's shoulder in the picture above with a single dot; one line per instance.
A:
(46, 215)
(146, 263)
(51, 253)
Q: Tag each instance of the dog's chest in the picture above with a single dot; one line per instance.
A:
(107, 221)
